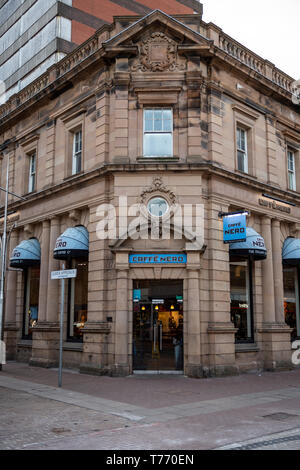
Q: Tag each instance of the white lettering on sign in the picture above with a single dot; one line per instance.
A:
(60, 244)
(65, 274)
(259, 242)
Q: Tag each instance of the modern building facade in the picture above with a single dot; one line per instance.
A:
(166, 116)
(35, 34)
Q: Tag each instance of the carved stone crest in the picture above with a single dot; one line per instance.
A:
(157, 187)
(158, 53)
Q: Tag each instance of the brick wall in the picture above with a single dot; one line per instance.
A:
(105, 10)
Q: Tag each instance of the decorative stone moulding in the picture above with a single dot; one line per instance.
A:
(157, 188)
(158, 53)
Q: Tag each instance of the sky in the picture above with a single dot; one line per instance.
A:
(270, 28)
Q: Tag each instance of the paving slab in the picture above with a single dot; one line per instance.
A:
(146, 413)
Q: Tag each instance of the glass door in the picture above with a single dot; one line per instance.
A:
(158, 329)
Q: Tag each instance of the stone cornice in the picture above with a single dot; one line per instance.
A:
(207, 168)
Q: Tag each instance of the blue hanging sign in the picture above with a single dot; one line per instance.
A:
(180, 258)
(235, 228)
(137, 294)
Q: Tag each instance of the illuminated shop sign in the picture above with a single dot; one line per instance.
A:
(158, 259)
(235, 228)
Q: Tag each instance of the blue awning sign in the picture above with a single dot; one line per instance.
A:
(291, 252)
(27, 254)
(73, 243)
(254, 247)
(234, 228)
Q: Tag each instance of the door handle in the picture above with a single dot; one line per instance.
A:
(155, 336)
(160, 339)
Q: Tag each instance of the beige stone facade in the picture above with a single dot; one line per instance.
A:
(213, 86)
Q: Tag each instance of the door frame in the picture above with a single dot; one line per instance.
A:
(131, 315)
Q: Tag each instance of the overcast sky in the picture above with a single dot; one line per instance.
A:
(270, 28)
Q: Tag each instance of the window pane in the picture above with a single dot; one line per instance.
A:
(78, 305)
(78, 163)
(158, 121)
(156, 145)
(241, 139)
(167, 120)
(291, 181)
(240, 301)
(238, 138)
(148, 117)
(242, 162)
(291, 304)
(158, 206)
(31, 299)
(32, 164)
(78, 142)
(291, 161)
(31, 186)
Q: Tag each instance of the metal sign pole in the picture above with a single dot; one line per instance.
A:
(3, 257)
(61, 337)
(62, 275)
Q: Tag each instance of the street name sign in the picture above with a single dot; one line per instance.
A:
(65, 274)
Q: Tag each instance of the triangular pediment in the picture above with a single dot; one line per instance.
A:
(157, 35)
(148, 237)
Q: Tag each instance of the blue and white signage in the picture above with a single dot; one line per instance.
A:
(176, 258)
(235, 228)
(137, 294)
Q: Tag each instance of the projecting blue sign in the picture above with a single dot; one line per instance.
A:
(137, 294)
(234, 228)
(158, 259)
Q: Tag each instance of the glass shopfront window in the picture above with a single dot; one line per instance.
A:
(77, 300)
(291, 299)
(241, 300)
(31, 300)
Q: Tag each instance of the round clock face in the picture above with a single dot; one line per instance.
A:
(158, 207)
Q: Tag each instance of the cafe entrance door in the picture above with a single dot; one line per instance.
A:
(158, 326)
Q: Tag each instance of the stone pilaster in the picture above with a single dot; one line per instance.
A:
(121, 365)
(50, 152)
(54, 265)
(102, 126)
(193, 368)
(268, 274)
(44, 273)
(278, 271)
(94, 358)
(46, 333)
(276, 338)
(215, 125)
(194, 83)
(271, 141)
(121, 80)
(221, 331)
(10, 327)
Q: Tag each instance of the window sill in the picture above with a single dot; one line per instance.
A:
(25, 343)
(157, 159)
(243, 173)
(32, 193)
(246, 347)
(293, 192)
(70, 177)
(70, 346)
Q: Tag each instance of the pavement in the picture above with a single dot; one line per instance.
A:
(147, 412)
